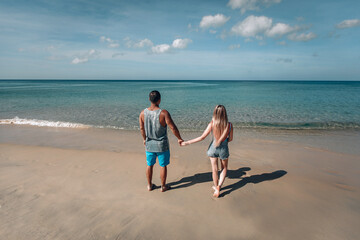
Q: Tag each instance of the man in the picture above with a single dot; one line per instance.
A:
(153, 127)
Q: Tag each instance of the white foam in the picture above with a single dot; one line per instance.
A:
(41, 123)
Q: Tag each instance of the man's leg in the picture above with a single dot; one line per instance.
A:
(149, 173)
(150, 161)
(164, 160)
(163, 175)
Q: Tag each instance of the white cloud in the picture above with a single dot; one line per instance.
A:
(83, 58)
(181, 43)
(279, 29)
(111, 43)
(283, 43)
(303, 37)
(166, 48)
(262, 26)
(105, 39)
(252, 26)
(79, 60)
(234, 46)
(161, 48)
(139, 44)
(212, 31)
(213, 21)
(21, 49)
(246, 5)
(349, 23)
(143, 43)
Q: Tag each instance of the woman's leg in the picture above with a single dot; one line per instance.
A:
(224, 167)
(215, 169)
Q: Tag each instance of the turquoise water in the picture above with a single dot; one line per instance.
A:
(117, 104)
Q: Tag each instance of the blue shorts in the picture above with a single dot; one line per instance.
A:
(164, 158)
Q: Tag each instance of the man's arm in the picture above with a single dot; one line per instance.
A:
(172, 126)
(142, 129)
(231, 133)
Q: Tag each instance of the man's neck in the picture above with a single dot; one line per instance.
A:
(153, 106)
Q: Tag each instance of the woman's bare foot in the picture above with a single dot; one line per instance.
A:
(214, 188)
(165, 188)
(217, 192)
(150, 188)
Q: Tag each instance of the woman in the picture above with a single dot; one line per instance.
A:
(222, 133)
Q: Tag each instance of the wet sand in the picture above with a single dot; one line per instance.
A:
(91, 185)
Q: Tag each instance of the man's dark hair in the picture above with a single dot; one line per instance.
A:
(154, 96)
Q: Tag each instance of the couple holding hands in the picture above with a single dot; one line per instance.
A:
(153, 127)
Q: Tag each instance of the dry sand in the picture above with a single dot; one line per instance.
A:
(274, 190)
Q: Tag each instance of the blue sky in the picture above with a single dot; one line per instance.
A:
(207, 40)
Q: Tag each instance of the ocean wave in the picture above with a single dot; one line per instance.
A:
(42, 123)
(197, 127)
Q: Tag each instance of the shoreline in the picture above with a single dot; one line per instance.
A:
(333, 140)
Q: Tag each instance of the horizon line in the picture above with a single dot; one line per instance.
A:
(179, 80)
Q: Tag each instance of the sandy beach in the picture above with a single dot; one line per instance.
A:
(54, 189)
(86, 86)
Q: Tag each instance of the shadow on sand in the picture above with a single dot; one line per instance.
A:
(232, 174)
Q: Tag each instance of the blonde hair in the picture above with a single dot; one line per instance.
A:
(220, 119)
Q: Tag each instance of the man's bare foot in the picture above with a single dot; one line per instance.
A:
(150, 188)
(217, 192)
(165, 188)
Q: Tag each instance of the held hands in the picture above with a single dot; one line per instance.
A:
(184, 144)
(180, 141)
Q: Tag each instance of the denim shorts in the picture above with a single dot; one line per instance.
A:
(221, 151)
(164, 158)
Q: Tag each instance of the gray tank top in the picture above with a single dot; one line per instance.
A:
(156, 134)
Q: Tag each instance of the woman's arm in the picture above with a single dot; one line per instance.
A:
(202, 137)
(223, 136)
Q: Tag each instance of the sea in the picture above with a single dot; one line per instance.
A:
(255, 105)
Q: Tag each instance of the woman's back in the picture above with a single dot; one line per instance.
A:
(221, 134)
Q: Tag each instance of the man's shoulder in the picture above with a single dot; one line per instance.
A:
(164, 112)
